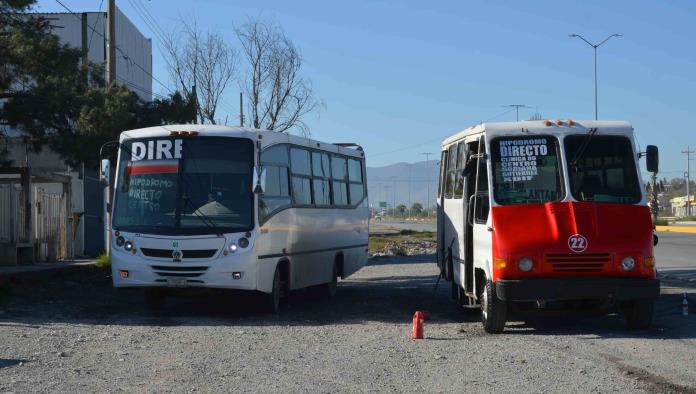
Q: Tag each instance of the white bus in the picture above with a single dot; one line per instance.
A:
(236, 208)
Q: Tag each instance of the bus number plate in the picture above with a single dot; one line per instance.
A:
(176, 282)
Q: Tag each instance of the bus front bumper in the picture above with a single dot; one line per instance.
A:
(560, 289)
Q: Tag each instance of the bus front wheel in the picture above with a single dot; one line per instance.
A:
(638, 313)
(273, 299)
(493, 310)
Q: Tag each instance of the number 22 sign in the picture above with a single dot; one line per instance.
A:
(577, 243)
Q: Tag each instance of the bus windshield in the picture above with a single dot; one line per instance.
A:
(526, 170)
(184, 186)
(605, 170)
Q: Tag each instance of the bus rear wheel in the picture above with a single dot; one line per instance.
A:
(638, 313)
(493, 310)
(329, 289)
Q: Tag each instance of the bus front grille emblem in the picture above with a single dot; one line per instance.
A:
(177, 255)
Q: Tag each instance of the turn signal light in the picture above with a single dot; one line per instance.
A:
(123, 274)
(649, 262)
(500, 263)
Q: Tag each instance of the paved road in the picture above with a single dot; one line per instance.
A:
(675, 255)
(76, 334)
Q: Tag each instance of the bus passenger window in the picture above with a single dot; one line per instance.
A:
(459, 177)
(443, 171)
(321, 171)
(339, 173)
(277, 194)
(355, 176)
(301, 176)
(451, 171)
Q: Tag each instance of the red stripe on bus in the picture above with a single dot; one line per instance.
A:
(153, 169)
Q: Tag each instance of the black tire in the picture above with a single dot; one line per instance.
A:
(493, 310)
(639, 313)
(155, 298)
(329, 289)
(272, 300)
(449, 266)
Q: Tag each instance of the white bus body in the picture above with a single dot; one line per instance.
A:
(186, 212)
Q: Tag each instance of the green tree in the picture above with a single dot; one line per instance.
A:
(401, 208)
(417, 208)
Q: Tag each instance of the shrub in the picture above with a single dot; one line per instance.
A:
(104, 261)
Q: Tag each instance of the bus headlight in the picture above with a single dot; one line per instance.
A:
(128, 246)
(525, 264)
(120, 241)
(243, 242)
(233, 248)
(628, 263)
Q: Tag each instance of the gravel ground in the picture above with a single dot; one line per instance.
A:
(74, 332)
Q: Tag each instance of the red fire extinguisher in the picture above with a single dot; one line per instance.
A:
(418, 318)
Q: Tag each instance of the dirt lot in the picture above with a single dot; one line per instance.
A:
(73, 332)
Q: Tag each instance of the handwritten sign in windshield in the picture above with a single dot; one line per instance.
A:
(519, 158)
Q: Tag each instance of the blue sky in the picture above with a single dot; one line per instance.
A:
(398, 76)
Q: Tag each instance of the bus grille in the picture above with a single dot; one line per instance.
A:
(590, 262)
(177, 271)
(187, 253)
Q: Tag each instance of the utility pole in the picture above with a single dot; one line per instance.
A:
(595, 46)
(427, 181)
(110, 78)
(517, 109)
(111, 42)
(687, 175)
(241, 111)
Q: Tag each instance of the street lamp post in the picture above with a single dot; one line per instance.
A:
(595, 46)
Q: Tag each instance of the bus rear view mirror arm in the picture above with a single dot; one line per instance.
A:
(259, 181)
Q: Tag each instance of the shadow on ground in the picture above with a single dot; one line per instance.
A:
(86, 297)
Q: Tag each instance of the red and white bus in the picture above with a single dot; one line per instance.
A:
(540, 214)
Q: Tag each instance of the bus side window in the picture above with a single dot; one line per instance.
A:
(443, 171)
(301, 176)
(451, 170)
(321, 172)
(277, 194)
(458, 176)
(356, 189)
(339, 174)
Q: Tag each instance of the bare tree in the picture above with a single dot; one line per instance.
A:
(278, 97)
(201, 60)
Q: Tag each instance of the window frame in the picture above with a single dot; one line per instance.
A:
(289, 180)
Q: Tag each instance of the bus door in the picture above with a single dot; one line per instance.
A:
(477, 216)
(441, 213)
(469, 174)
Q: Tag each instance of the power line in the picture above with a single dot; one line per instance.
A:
(124, 55)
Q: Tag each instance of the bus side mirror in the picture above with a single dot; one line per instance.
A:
(259, 181)
(105, 171)
(652, 158)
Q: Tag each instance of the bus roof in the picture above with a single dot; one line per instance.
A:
(542, 127)
(266, 137)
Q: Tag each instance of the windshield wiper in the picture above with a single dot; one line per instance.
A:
(204, 218)
(583, 147)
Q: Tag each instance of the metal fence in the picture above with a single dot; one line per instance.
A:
(53, 235)
(12, 217)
